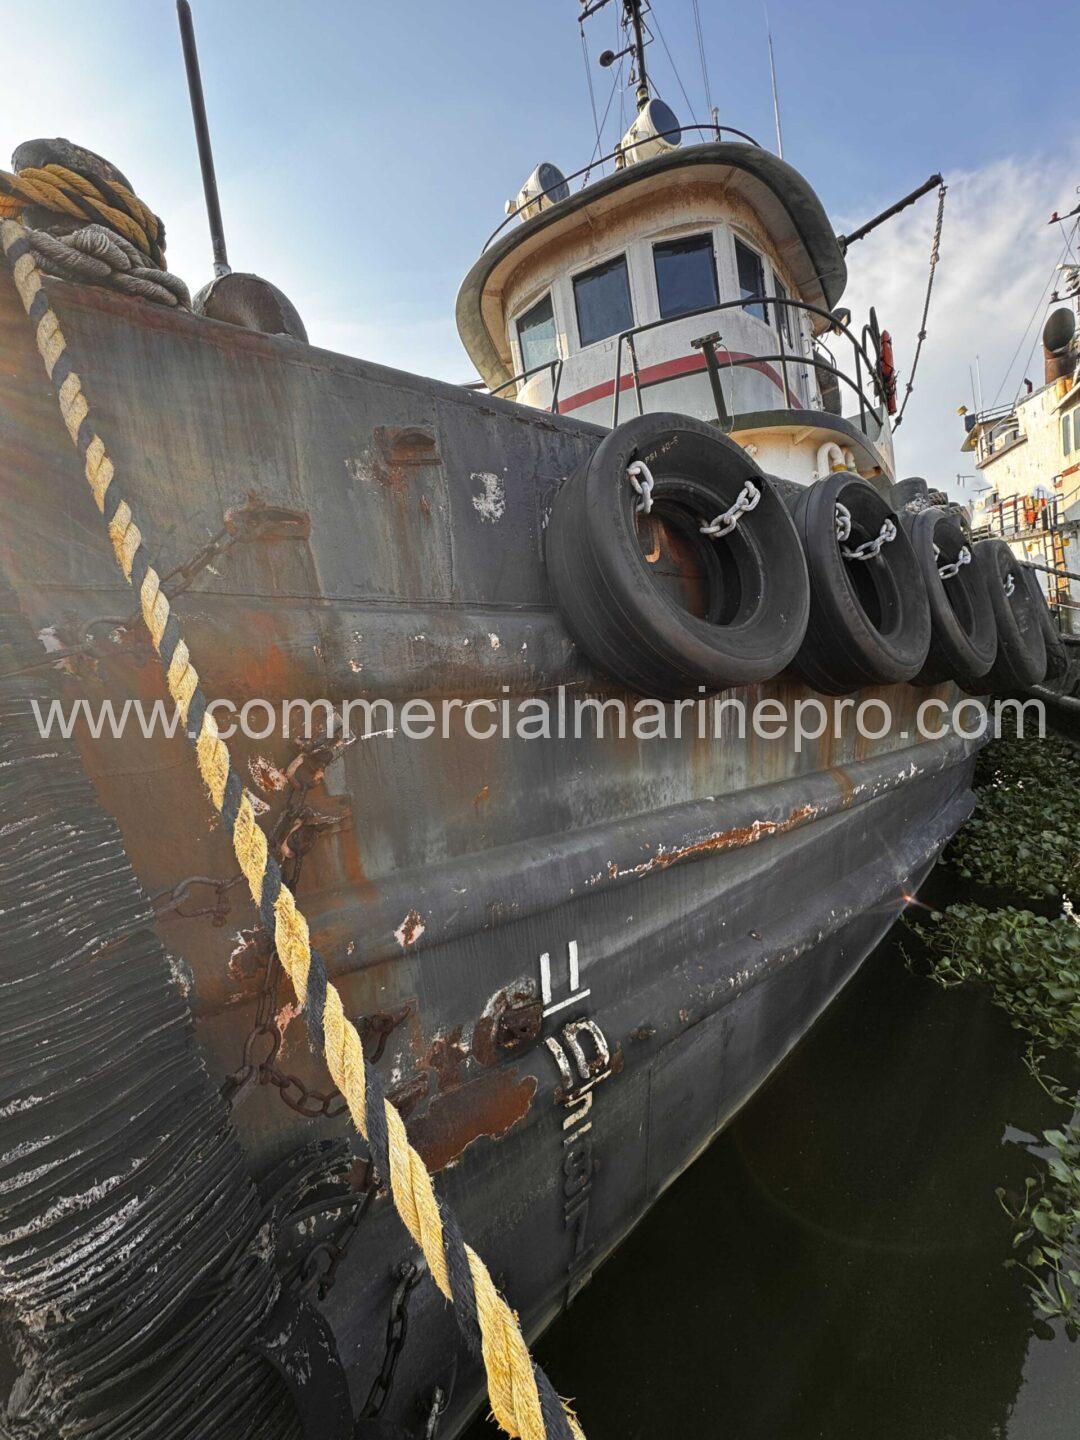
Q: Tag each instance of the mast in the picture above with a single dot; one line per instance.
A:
(634, 24)
(633, 15)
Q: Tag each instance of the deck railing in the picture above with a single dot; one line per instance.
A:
(865, 380)
(586, 170)
(866, 369)
(1020, 516)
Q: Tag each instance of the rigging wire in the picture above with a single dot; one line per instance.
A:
(588, 81)
(935, 255)
(671, 62)
(616, 85)
(1034, 315)
(701, 55)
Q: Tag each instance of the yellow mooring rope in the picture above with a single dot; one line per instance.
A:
(65, 192)
(522, 1398)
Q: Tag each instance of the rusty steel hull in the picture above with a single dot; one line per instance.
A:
(697, 902)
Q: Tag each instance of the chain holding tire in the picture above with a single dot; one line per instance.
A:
(724, 523)
(948, 571)
(641, 480)
(1009, 584)
(869, 548)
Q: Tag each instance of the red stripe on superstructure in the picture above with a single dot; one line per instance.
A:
(666, 370)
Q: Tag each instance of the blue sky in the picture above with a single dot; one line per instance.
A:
(364, 151)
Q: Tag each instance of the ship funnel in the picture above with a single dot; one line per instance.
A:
(545, 187)
(1057, 337)
(655, 131)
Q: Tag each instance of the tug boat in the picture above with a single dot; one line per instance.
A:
(571, 958)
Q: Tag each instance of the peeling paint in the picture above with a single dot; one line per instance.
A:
(490, 504)
(410, 930)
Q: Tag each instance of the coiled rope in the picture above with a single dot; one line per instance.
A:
(120, 242)
(523, 1400)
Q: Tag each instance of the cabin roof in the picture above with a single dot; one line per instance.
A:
(788, 207)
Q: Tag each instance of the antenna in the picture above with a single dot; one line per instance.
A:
(202, 138)
(632, 19)
(775, 94)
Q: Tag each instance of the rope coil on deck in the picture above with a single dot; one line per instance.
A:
(119, 243)
(523, 1400)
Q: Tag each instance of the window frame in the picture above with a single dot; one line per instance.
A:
(625, 256)
(548, 295)
(745, 301)
(1068, 443)
(707, 235)
(787, 320)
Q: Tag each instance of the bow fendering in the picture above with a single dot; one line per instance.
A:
(523, 1400)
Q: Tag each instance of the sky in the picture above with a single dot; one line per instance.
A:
(364, 152)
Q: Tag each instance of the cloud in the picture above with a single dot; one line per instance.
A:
(997, 253)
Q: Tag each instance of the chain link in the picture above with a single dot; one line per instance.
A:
(723, 524)
(409, 1275)
(1009, 584)
(869, 548)
(948, 571)
(641, 480)
(843, 522)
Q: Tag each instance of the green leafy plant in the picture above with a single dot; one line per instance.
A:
(1025, 832)
(1025, 837)
(1048, 1219)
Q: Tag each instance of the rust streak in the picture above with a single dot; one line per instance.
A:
(731, 839)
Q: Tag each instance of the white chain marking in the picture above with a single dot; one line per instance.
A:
(1009, 583)
(643, 485)
(869, 548)
(723, 524)
(948, 571)
(843, 522)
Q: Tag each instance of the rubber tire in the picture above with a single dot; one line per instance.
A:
(904, 491)
(844, 650)
(626, 623)
(1021, 652)
(1057, 658)
(958, 651)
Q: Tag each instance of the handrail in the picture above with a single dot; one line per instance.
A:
(556, 368)
(782, 357)
(716, 130)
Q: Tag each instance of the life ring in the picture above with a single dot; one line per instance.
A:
(1021, 651)
(869, 617)
(1057, 657)
(963, 637)
(724, 609)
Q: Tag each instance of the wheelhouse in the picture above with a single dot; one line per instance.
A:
(704, 279)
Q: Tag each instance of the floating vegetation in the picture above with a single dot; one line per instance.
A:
(1025, 837)
(1025, 831)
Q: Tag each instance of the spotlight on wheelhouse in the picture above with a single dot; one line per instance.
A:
(546, 186)
(655, 131)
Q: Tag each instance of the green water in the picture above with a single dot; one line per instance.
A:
(832, 1266)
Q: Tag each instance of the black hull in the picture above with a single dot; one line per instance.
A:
(709, 897)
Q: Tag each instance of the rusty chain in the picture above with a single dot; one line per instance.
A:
(409, 1275)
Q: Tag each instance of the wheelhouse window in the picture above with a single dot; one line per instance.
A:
(751, 273)
(536, 335)
(685, 275)
(602, 301)
(785, 316)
